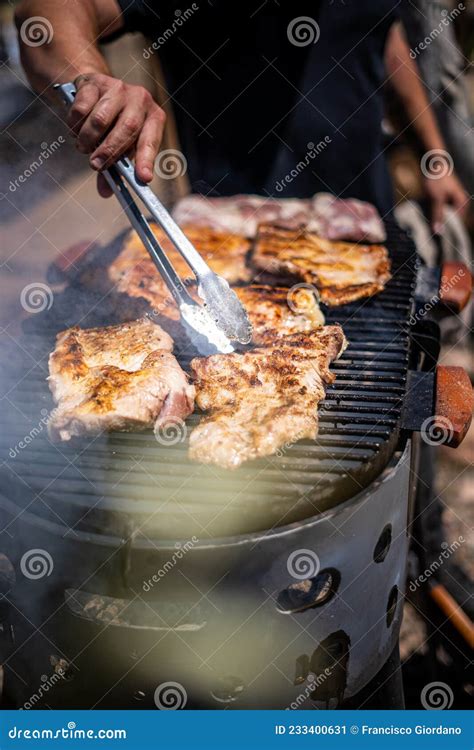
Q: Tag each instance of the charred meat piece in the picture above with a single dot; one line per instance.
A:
(121, 377)
(263, 399)
(342, 272)
(134, 272)
(276, 311)
(134, 280)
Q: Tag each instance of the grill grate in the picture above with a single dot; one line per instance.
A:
(126, 482)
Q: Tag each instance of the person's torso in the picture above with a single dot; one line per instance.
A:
(252, 84)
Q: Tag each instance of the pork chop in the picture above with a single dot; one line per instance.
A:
(134, 272)
(262, 399)
(276, 311)
(121, 377)
(328, 216)
(341, 271)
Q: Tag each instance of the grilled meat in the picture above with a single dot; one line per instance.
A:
(133, 280)
(263, 399)
(342, 272)
(121, 377)
(276, 311)
(328, 216)
(346, 219)
(134, 272)
(240, 213)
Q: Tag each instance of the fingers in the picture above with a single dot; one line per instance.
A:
(102, 187)
(99, 122)
(437, 214)
(442, 195)
(148, 145)
(86, 98)
(460, 200)
(122, 136)
(110, 119)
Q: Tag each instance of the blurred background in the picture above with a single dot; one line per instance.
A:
(57, 206)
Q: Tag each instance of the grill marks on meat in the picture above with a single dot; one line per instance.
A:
(276, 311)
(134, 272)
(262, 399)
(133, 278)
(121, 377)
(342, 272)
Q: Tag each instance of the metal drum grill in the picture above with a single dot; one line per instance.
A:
(228, 621)
(131, 481)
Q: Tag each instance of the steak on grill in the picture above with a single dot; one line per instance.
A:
(133, 270)
(139, 289)
(264, 399)
(276, 311)
(240, 213)
(346, 219)
(342, 272)
(121, 377)
(328, 216)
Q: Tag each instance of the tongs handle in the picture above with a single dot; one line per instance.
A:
(144, 231)
(135, 216)
(126, 169)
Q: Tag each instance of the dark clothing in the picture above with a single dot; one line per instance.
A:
(248, 100)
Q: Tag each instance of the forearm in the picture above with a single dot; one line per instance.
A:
(406, 81)
(441, 185)
(71, 32)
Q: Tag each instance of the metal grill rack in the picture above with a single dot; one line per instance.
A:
(127, 483)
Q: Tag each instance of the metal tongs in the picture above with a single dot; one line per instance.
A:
(222, 319)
